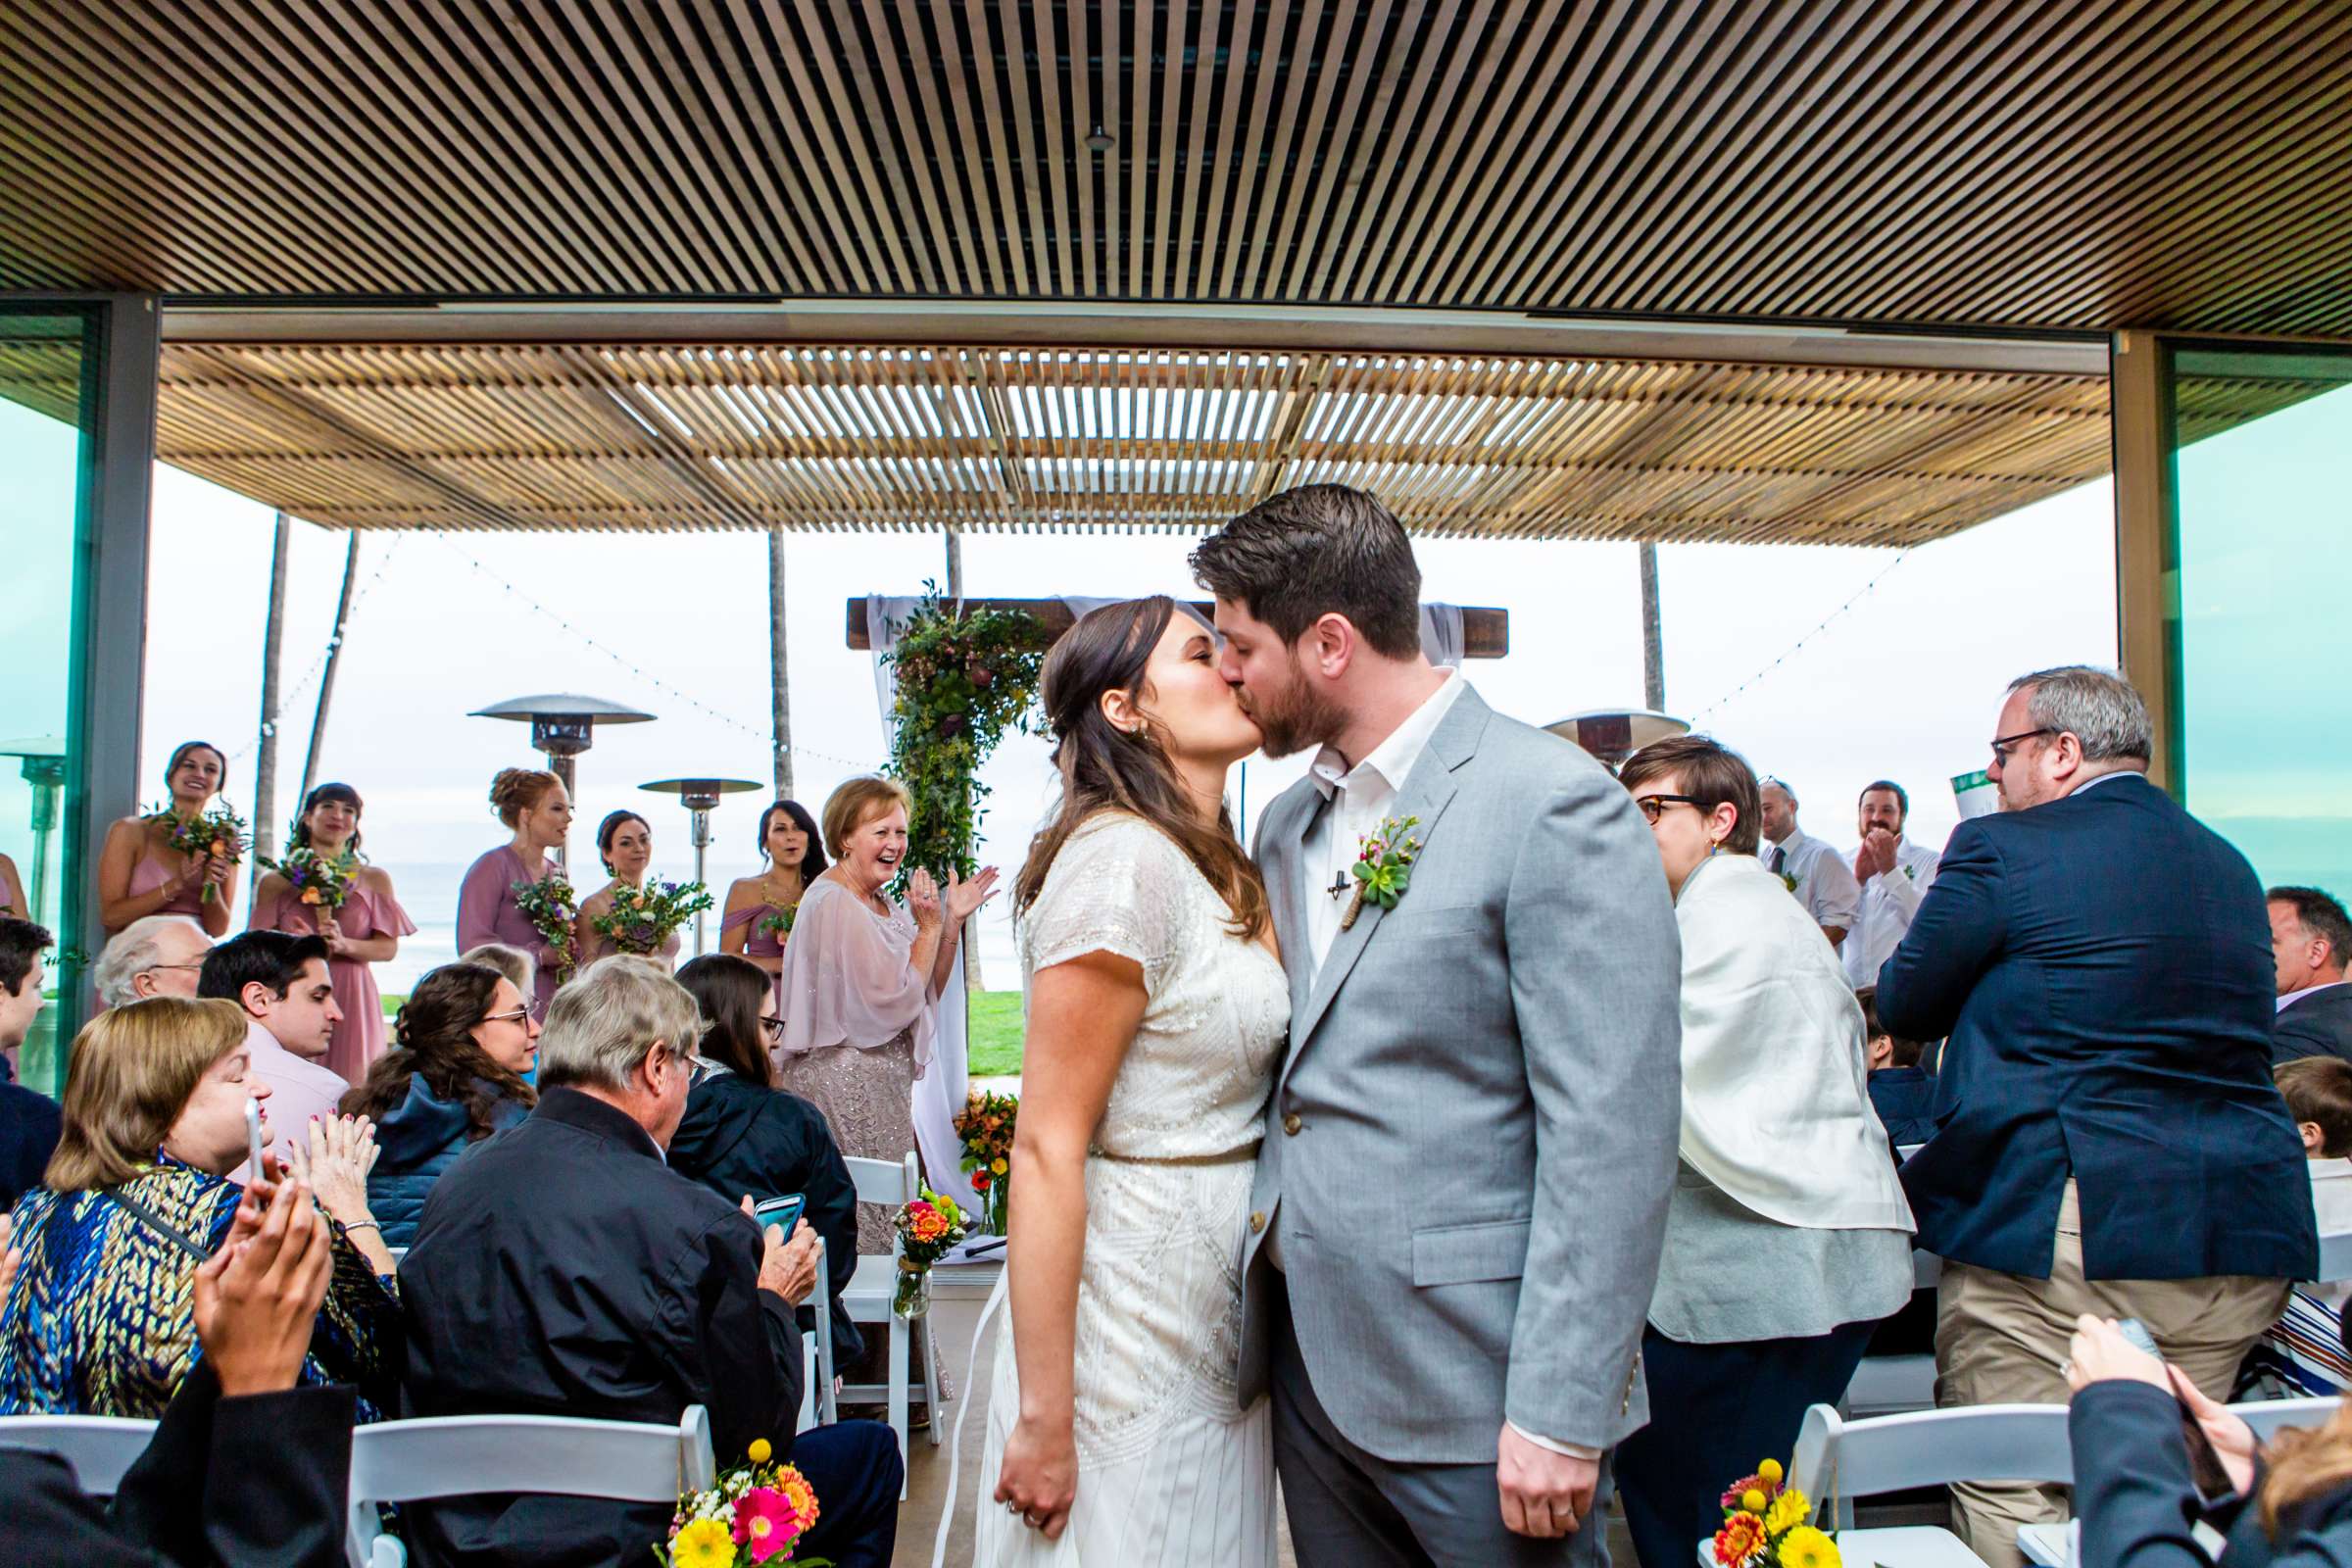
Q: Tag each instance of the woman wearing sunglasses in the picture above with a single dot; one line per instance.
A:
(745, 1137)
(1786, 1235)
(455, 1075)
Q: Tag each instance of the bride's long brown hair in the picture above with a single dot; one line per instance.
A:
(1103, 768)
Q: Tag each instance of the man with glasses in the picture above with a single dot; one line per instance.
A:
(161, 955)
(1813, 871)
(2108, 1139)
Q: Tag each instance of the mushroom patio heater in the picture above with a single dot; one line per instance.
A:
(699, 797)
(1614, 734)
(44, 768)
(563, 726)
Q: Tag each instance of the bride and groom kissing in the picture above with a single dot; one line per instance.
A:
(1366, 1193)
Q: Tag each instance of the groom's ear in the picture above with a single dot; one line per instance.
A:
(1330, 646)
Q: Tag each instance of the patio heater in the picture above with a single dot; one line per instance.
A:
(1613, 734)
(699, 797)
(563, 726)
(44, 768)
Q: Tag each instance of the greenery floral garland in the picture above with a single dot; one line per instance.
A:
(962, 682)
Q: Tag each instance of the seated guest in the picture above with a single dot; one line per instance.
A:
(513, 962)
(1894, 874)
(563, 1268)
(2138, 1497)
(157, 955)
(100, 1321)
(2108, 1137)
(454, 1076)
(245, 1469)
(29, 1122)
(2305, 1352)
(2311, 938)
(282, 984)
(1786, 1235)
(1901, 1091)
(744, 1135)
(1807, 866)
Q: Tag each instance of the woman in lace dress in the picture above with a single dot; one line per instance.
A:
(1156, 1011)
(862, 980)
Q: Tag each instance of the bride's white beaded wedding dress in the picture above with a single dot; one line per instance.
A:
(1170, 1469)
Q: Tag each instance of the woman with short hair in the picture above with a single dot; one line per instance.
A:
(364, 932)
(140, 874)
(1788, 1236)
(537, 810)
(862, 975)
(463, 1040)
(143, 1188)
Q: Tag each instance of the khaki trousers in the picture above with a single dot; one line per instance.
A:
(2000, 1338)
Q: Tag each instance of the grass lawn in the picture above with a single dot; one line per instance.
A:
(995, 1040)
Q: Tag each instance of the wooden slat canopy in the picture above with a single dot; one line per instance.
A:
(2066, 165)
(1485, 630)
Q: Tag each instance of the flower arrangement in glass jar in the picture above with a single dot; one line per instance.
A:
(927, 1228)
(985, 1125)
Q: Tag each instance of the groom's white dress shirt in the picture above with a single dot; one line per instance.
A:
(1890, 899)
(1360, 798)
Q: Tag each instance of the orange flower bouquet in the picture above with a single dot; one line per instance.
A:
(1768, 1525)
(985, 1124)
(754, 1513)
(219, 834)
(927, 1229)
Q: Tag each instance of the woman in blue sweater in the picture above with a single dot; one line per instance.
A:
(460, 1045)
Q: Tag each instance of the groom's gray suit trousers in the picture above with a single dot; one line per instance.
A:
(1350, 1509)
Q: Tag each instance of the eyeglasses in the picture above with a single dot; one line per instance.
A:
(2004, 745)
(196, 966)
(774, 1027)
(516, 1016)
(1654, 807)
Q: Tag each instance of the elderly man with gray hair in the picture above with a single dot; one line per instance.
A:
(159, 955)
(2108, 1139)
(561, 1267)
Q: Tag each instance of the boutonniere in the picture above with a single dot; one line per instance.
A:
(1789, 880)
(1384, 867)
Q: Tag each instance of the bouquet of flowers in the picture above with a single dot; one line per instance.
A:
(777, 924)
(985, 1124)
(753, 1513)
(927, 1228)
(642, 919)
(551, 906)
(1766, 1525)
(323, 882)
(219, 834)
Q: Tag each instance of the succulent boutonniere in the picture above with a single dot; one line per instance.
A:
(1384, 867)
(1789, 880)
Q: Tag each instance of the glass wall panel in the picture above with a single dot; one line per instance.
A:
(45, 403)
(2262, 448)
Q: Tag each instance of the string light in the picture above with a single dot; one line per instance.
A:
(1796, 647)
(334, 640)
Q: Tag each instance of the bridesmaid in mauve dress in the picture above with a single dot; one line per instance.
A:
(535, 805)
(796, 858)
(11, 892)
(363, 933)
(626, 843)
(140, 874)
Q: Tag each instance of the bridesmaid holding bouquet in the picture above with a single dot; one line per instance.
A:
(322, 885)
(650, 924)
(142, 872)
(492, 899)
(761, 908)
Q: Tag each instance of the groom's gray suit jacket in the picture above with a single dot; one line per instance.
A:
(1471, 1140)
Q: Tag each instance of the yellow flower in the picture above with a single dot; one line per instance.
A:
(1769, 1472)
(759, 1451)
(1752, 1501)
(997, 1165)
(703, 1544)
(1807, 1548)
(1788, 1510)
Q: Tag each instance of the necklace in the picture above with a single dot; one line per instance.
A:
(767, 889)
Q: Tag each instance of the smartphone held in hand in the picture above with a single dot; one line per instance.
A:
(253, 1140)
(2205, 1469)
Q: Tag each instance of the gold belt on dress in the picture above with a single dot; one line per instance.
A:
(1230, 1157)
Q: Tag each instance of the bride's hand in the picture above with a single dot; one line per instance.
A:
(1039, 1477)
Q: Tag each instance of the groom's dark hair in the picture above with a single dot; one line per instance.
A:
(1319, 550)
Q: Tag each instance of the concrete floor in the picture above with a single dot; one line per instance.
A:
(927, 1466)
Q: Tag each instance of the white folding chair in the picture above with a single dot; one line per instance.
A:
(808, 1416)
(820, 1301)
(872, 1289)
(2335, 1257)
(99, 1447)
(467, 1455)
(1839, 1460)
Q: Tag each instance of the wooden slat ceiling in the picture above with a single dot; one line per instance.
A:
(2034, 164)
(988, 438)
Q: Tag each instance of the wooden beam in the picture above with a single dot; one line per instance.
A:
(2147, 582)
(1486, 632)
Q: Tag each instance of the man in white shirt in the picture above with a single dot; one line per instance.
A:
(1894, 874)
(1813, 871)
(282, 983)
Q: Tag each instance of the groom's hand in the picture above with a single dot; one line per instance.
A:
(1544, 1495)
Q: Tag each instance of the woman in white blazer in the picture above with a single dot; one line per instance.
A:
(1788, 1237)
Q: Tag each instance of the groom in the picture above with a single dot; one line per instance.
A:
(1463, 1189)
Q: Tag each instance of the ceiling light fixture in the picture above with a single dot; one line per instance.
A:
(1101, 141)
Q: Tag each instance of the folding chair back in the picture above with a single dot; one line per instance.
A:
(99, 1447)
(1841, 1459)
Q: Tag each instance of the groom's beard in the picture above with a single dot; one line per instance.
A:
(1295, 719)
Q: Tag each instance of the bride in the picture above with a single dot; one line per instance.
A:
(1156, 1010)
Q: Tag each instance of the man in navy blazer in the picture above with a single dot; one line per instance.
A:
(2310, 938)
(2107, 1136)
